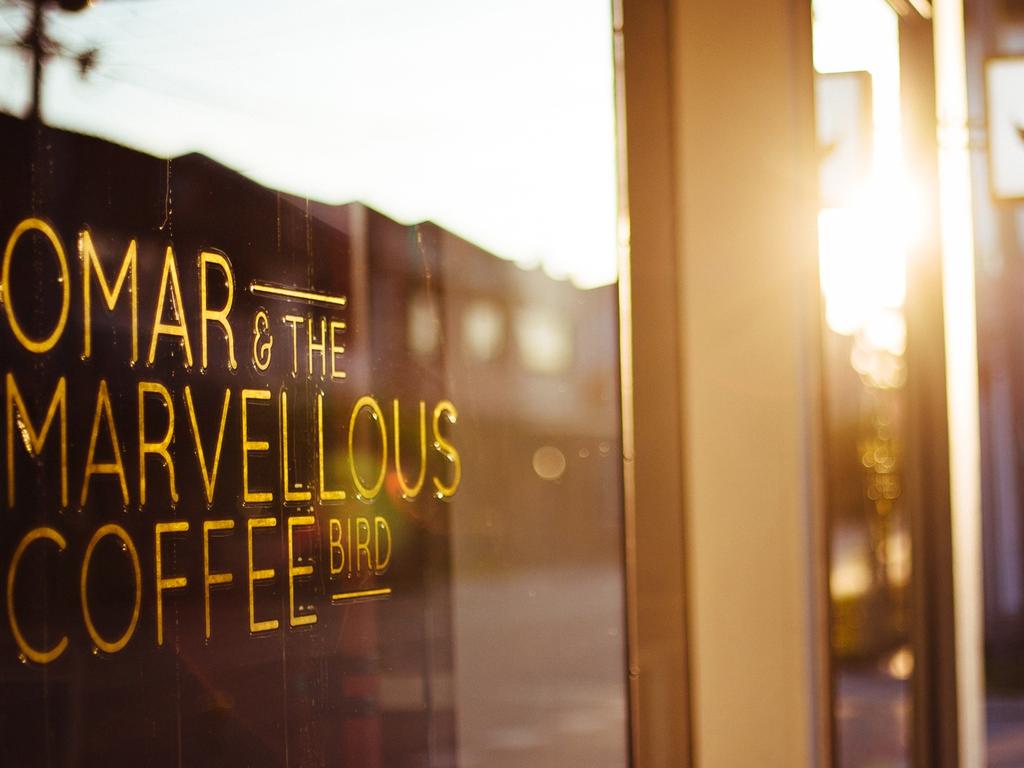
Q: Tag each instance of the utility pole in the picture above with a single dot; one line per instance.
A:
(40, 47)
(36, 41)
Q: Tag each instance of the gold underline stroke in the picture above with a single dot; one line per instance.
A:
(294, 293)
(365, 593)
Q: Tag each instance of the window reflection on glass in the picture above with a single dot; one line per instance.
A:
(483, 330)
(545, 340)
(438, 180)
(423, 329)
(865, 226)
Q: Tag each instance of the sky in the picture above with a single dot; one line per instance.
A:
(494, 119)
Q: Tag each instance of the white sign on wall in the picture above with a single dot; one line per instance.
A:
(843, 119)
(1004, 89)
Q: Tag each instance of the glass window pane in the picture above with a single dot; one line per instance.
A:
(310, 346)
(863, 231)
